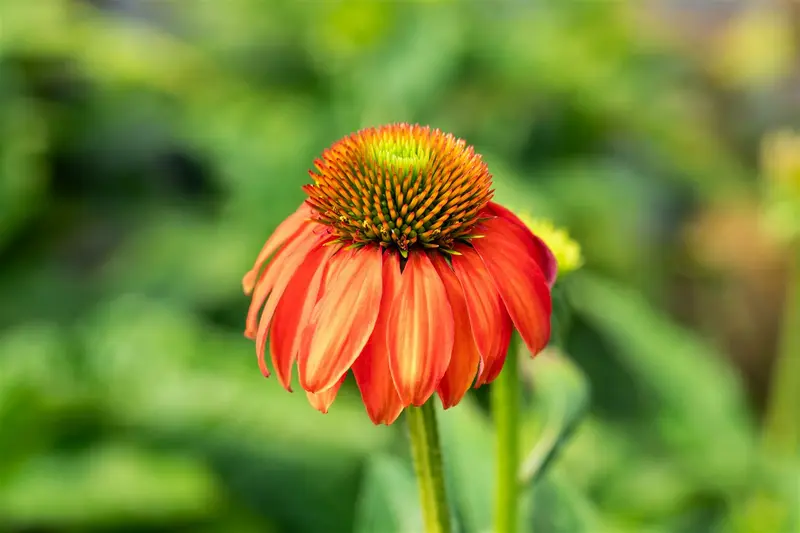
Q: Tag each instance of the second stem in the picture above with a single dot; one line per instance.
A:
(505, 398)
(782, 431)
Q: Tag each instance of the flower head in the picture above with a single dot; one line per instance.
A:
(399, 268)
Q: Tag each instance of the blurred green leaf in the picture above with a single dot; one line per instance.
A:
(560, 398)
(154, 261)
(468, 450)
(554, 506)
(38, 390)
(393, 84)
(388, 498)
(109, 485)
(515, 192)
(772, 502)
(142, 354)
(702, 414)
(23, 140)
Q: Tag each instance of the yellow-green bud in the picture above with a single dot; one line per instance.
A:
(565, 249)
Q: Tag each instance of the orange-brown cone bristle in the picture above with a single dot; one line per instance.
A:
(401, 186)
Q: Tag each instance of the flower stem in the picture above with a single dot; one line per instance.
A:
(782, 427)
(427, 453)
(505, 400)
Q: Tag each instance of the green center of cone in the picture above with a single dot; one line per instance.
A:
(401, 154)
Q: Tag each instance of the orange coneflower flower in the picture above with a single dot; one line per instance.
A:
(400, 268)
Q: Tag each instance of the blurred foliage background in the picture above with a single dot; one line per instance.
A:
(148, 147)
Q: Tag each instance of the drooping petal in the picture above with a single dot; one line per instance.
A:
(343, 319)
(541, 252)
(465, 358)
(282, 233)
(420, 333)
(321, 401)
(371, 369)
(487, 314)
(294, 311)
(490, 372)
(520, 282)
(290, 262)
(266, 280)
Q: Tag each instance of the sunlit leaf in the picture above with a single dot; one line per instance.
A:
(388, 499)
(106, 486)
(709, 431)
(560, 399)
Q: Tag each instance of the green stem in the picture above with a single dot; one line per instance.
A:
(505, 400)
(427, 453)
(781, 431)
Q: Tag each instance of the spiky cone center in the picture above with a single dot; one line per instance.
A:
(402, 186)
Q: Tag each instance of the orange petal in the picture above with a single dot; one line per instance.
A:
(505, 251)
(420, 333)
(343, 319)
(487, 314)
(290, 262)
(490, 372)
(371, 369)
(294, 310)
(334, 267)
(321, 401)
(282, 233)
(466, 358)
(270, 274)
(540, 251)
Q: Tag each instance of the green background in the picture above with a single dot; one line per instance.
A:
(148, 148)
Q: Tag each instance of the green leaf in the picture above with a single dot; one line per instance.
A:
(701, 409)
(153, 259)
(157, 364)
(37, 390)
(773, 502)
(113, 484)
(392, 84)
(555, 506)
(389, 498)
(23, 141)
(560, 399)
(468, 450)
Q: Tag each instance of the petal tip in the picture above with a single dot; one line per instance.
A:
(249, 283)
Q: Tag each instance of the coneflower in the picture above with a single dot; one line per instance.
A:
(400, 268)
